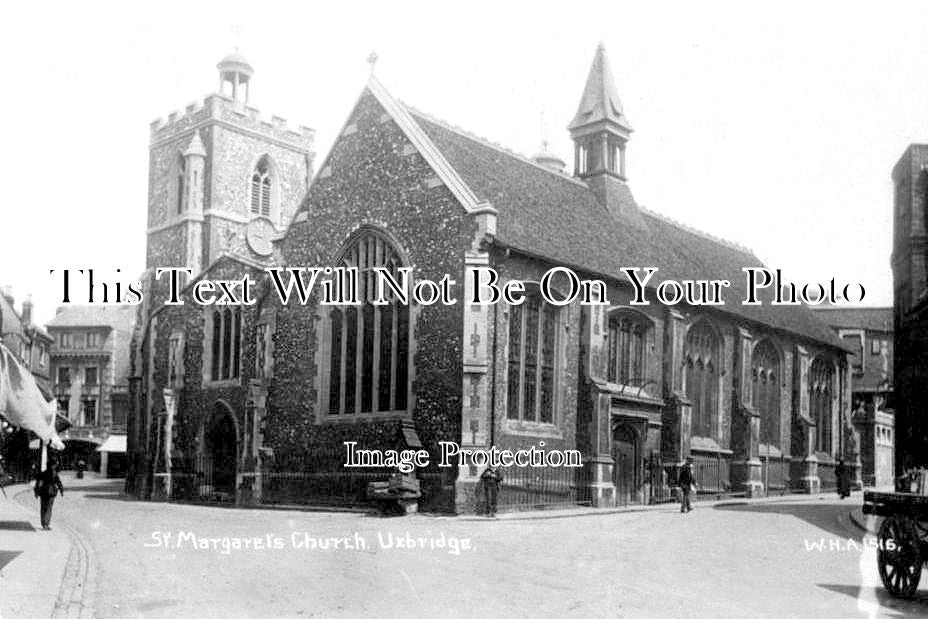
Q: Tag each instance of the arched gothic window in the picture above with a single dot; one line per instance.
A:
(821, 387)
(627, 348)
(369, 344)
(225, 343)
(532, 356)
(180, 183)
(261, 188)
(765, 372)
(702, 377)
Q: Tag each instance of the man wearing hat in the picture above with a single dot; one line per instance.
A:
(687, 481)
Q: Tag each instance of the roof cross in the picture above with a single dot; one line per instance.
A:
(372, 60)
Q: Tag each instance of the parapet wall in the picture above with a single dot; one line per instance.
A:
(221, 108)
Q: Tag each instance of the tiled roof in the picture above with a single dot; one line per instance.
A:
(114, 316)
(550, 215)
(871, 318)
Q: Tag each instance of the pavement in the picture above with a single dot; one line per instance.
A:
(102, 545)
(29, 557)
(545, 514)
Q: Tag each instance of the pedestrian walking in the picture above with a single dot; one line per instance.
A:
(81, 467)
(491, 478)
(687, 482)
(47, 487)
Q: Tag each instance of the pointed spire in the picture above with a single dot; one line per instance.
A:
(196, 146)
(600, 101)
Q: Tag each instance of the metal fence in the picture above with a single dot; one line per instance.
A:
(775, 474)
(318, 478)
(659, 479)
(826, 475)
(524, 488)
(196, 479)
(713, 476)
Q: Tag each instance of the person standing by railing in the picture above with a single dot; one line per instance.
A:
(687, 481)
(492, 477)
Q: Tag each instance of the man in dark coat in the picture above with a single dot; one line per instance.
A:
(843, 477)
(47, 487)
(491, 478)
(687, 481)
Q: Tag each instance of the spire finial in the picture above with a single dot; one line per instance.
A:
(544, 134)
(372, 60)
(236, 34)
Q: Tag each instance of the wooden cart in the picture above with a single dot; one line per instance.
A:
(902, 541)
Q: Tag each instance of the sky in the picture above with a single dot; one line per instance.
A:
(774, 125)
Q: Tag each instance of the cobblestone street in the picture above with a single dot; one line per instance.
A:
(127, 559)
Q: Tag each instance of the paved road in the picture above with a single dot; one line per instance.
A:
(801, 558)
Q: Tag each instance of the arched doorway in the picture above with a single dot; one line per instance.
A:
(626, 473)
(219, 450)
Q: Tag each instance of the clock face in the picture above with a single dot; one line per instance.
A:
(260, 235)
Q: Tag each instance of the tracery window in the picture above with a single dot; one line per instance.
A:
(532, 353)
(765, 372)
(821, 387)
(702, 377)
(226, 343)
(627, 348)
(261, 188)
(369, 344)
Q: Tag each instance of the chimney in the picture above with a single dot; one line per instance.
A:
(27, 310)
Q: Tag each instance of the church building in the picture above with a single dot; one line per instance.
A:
(254, 403)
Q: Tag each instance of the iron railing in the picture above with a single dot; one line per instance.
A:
(775, 474)
(524, 488)
(713, 476)
(826, 476)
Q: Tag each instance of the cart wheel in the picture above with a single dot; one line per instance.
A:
(898, 556)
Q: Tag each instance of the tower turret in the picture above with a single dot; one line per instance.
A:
(195, 174)
(235, 72)
(600, 129)
(600, 132)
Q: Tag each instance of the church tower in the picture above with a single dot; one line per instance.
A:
(222, 179)
(600, 131)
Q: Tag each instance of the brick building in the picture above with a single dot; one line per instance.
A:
(241, 399)
(90, 374)
(869, 333)
(910, 305)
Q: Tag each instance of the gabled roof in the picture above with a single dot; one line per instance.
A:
(600, 101)
(548, 214)
(220, 259)
(869, 318)
(109, 316)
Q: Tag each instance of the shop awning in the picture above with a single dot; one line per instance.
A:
(115, 443)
